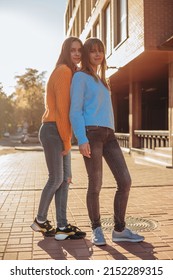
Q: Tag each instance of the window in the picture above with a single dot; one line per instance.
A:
(93, 2)
(77, 24)
(122, 7)
(82, 16)
(120, 21)
(107, 29)
(87, 9)
(96, 30)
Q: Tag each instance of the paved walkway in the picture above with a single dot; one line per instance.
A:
(150, 210)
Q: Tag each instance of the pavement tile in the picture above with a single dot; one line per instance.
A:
(4, 236)
(2, 248)
(14, 241)
(162, 256)
(26, 241)
(24, 255)
(10, 256)
(22, 178)
(18, 249)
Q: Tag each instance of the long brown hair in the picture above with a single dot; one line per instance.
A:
(86, 67)
(64, 57)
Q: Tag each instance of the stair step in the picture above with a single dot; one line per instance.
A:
(155, 157)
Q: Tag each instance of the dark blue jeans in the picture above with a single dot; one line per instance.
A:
(103, 143)
(59, 168)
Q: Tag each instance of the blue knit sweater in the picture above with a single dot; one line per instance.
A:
(90, 105)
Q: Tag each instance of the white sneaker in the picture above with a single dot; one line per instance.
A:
(126, 235)
(98, 237)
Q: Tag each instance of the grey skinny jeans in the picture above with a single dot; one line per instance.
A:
(103, 143)
(59, 168)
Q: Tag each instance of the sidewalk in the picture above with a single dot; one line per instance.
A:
(150, 211)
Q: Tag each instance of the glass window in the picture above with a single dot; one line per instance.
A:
(77, 24)
(82, 16)
(121, 20)
(96, 30)
(107, 29)
(87, 9)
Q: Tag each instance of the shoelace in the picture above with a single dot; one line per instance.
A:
(74, 228)
(99, 232)
(47, 224)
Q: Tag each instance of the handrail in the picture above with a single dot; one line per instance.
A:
(123, 139)
(149, 139)
(152, 132)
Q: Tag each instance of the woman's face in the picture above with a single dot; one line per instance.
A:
(76, 52)
(96, 57)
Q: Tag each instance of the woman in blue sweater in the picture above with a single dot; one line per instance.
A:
(92, 121)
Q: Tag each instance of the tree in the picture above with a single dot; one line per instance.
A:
(29, 98)
(7, 120)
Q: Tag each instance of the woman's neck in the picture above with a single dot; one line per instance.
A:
(94, 68)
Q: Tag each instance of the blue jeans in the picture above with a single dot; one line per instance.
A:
(59, 168)
(103, 143)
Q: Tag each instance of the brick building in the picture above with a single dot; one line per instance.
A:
(138, 35)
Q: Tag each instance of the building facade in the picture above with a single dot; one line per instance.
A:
(138, 35)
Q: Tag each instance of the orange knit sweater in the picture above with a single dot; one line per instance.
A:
(57, 103)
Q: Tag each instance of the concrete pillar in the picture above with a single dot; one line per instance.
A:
(134, 113)
(170, 110)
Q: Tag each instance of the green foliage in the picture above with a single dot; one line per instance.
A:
(29, 98)
(7, 120)
(26, 104)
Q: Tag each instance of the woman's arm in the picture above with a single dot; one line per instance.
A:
(62, 91)
(77, 108)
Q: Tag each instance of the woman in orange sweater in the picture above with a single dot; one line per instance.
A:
(55, 137)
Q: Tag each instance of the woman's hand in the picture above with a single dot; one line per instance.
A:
(64, 153)
(85, 150)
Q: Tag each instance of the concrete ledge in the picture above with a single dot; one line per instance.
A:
(29, 148)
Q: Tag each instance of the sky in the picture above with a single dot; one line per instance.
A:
(31, 35)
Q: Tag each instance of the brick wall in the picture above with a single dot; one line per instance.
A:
(158, 22)
(134, 45)
(136, 24)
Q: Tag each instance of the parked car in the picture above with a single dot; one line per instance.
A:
(30, 138)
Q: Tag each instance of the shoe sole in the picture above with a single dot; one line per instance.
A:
(36, 228)
(47, 234)
(60, 237)
(127, 240)
(81, 235)
(103, 243)
(99, 244)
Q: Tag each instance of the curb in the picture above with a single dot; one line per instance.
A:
(30, 148)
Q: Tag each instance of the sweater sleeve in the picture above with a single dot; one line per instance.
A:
(62, 92)
(77, 106)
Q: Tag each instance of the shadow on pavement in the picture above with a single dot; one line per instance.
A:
(66, 249)
(142, 250)
(83, 250)
(76, 249)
